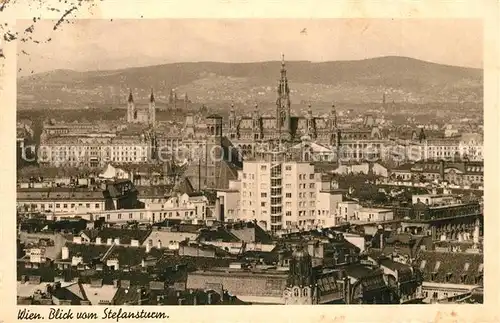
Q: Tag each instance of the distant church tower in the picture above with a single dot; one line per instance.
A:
(131, 112)
(152, 109)
(283, 102)
(300, 288)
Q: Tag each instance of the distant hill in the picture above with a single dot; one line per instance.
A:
(361, 81)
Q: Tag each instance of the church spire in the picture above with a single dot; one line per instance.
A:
(283, 101)
(130, 97)
(283, 68)
(152, 97)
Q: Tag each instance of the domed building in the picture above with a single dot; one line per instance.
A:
(300, 289)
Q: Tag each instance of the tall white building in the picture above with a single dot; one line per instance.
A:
(281, 195)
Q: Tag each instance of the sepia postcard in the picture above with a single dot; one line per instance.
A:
(178, 154)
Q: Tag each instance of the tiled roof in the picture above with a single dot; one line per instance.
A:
(132, 256)
(393, 265)
(219, 234)
(46, 274)
(141, 168)
(58, 193)
(87, 252)
(241, 283)
(269, 258)
(127, 296)
(451, 267)
(258, 234)
(114, 189)
(125, 235)
(73, 293)
(154, 191)
(54, 172)
(36, 225)
(360, 271)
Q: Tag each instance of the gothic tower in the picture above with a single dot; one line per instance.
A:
(311, 131)
(334, 135)
(300, 288)
(256, 125)
(283, 102)
(131, 113)
(214, 153)
(186, 102)
(152, 109)
(333, 117)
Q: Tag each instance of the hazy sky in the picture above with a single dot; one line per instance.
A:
(105, 44)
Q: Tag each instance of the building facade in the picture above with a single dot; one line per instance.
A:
(281, 194)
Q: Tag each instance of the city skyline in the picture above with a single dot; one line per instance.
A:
(82, 45)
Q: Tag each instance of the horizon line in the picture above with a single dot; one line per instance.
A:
(250, 62)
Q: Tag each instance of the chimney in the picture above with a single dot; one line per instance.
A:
(109, 242)
(64, 253)
(98, 240)
(149, 245)
(159, 245)
(117, 241)
(381, 239)
(222, 215)
(217, 208)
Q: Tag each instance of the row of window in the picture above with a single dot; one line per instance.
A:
(304, 195)
(304, 176)
(162, 215)
(43, 206)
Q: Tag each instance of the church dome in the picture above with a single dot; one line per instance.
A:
(300, 253)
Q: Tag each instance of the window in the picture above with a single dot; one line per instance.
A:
(119, 216)
(311, 185)
(263, 167)
(97, 205)
(289, 195)
(87, 205)
(58, 205)
(288, 213)
(72, 205)
(65, 206)
(311, 176)
(263, 204)
(288, 167)
(108, 217)
(130, 215)
(263, 195)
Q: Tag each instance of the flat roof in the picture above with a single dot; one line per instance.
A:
(223, 271)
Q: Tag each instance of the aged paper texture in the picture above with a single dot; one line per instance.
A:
(185, 153)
